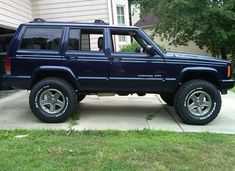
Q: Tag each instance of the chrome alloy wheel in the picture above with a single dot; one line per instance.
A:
(199, 103)
(52, 101)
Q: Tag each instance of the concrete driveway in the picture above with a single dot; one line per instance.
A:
(121, 113)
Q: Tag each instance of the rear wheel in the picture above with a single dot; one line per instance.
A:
(168, 98)
(197, 102)
(53, 100)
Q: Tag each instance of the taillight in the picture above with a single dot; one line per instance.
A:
(229, 72)
(8, 65)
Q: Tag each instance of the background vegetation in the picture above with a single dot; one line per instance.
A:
(209, 23)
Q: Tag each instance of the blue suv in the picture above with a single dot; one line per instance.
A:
(62, 62)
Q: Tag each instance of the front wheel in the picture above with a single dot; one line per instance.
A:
(197, 102)
(53, 100)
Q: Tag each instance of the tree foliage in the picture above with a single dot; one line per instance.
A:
(209, 23)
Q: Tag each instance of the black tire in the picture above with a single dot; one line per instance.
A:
(43, 91)
(168, 98)
(81, 97)
(200, 94)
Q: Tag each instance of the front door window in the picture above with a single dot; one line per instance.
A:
(135, 44)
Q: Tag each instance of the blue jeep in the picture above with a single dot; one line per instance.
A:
(62, 62)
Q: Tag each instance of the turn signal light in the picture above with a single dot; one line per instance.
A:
(229, 72)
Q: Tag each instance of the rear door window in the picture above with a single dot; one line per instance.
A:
(74, 39)
(86, 40)
(41, 39)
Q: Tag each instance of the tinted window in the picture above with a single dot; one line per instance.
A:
(74, 39)
(41, 39)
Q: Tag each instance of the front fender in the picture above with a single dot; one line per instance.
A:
(201, 70)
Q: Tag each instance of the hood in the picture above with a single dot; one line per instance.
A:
(194, 57)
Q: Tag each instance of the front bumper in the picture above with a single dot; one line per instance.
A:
(226, 84)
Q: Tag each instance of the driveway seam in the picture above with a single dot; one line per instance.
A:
(170, 114)
(148, 126)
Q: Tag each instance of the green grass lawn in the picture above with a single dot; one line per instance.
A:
(233, 90)
(113, 150)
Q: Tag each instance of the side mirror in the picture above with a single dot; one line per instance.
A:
(150, 50)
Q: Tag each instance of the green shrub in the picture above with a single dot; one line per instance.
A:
(130, 47)
(133, 46)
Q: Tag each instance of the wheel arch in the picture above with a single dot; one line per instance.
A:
(58, 71)
(204, 73)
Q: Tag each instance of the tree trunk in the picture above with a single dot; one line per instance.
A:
(223, 53)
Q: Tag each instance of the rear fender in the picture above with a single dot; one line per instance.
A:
(50, 70)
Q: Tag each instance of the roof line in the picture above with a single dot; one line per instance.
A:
(42, 23)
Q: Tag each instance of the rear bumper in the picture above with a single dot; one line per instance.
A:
(22, 82)
(226, 84)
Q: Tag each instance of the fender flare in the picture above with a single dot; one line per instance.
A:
(187, 70)
(63, 69)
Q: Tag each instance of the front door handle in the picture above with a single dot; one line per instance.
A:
(70, 57)
(116, 59)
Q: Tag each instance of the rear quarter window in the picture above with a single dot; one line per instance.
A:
(41, 39)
